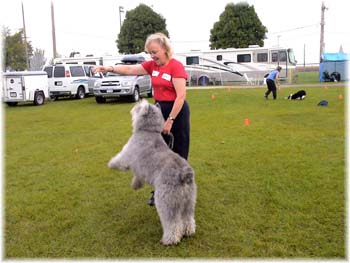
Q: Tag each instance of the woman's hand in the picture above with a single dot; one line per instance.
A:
(102, 69)
(167, 126)
(180, 89)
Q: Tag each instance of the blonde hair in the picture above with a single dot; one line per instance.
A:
(162, 40)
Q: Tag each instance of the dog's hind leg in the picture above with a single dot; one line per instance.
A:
(172, 230)
(189, 224)
(170, 219)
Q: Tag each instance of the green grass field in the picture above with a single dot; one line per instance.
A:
(273, 189)
(308, 77)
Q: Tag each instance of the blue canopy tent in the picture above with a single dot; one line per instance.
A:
(335, 62)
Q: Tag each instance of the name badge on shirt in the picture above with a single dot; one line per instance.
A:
(155, 73)
(166, 77)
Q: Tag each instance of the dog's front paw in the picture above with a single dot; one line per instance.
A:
(116, 163)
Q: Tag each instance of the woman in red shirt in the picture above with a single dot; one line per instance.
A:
(169, 85)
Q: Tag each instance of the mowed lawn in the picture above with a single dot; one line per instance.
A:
(272, 189)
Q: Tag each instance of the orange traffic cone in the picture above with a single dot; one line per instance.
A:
(246, 122)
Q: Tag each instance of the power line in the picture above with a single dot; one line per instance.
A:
(293, 29)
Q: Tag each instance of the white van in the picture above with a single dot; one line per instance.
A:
(68, 80)
(22, 86)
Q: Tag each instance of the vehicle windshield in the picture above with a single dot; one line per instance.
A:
(112, 74)
(291, 56)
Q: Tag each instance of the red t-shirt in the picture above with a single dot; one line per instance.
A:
(162, 76)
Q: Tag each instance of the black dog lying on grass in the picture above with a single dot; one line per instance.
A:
(300, 95)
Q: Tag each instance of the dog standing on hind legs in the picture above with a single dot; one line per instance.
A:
(152, 162)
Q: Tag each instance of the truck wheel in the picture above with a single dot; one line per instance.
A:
(39, 98)
(11, 104)
(100, 99)
(136, 95)
(80, 93)
(150, 94)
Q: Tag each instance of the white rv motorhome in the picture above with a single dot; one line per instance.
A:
(23, 86)
(253, 63)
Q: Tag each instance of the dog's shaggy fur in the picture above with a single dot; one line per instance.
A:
(152, 162)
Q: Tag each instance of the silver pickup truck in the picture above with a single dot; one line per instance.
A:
(114, 85)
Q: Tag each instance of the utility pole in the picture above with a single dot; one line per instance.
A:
(25, 38)
(121, 10)
(304, 58)
(322, 44)
(53, 31)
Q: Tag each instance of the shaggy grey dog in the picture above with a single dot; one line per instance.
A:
(153, 162)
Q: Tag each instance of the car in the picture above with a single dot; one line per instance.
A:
(92, 80)
(68, 80)
(115, 85)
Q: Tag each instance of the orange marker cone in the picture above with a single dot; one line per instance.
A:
(340, 96)
(246, 122)
(212, 97)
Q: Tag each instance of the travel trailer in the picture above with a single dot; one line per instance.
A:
(23, 86)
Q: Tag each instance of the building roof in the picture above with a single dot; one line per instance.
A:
(335, 56)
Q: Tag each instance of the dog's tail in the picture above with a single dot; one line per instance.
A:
(186, 175)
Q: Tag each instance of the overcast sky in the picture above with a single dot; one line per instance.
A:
(91, 27)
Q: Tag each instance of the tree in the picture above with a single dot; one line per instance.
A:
(138, 24)
(15, 51)
(38, 60)
(238, 27)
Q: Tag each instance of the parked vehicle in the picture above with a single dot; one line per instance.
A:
(229, 65)
(68, 80)
(92, 80)
(222, 66)
(23, 86)
(115, 85)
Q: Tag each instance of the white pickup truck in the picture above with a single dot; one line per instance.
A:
(114, 85)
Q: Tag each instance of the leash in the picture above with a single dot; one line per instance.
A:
(171, 141)
(171, 136)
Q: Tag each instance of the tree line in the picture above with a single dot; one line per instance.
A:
(17, 56)
(238, 27)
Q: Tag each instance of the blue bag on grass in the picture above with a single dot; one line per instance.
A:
(323, 103)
